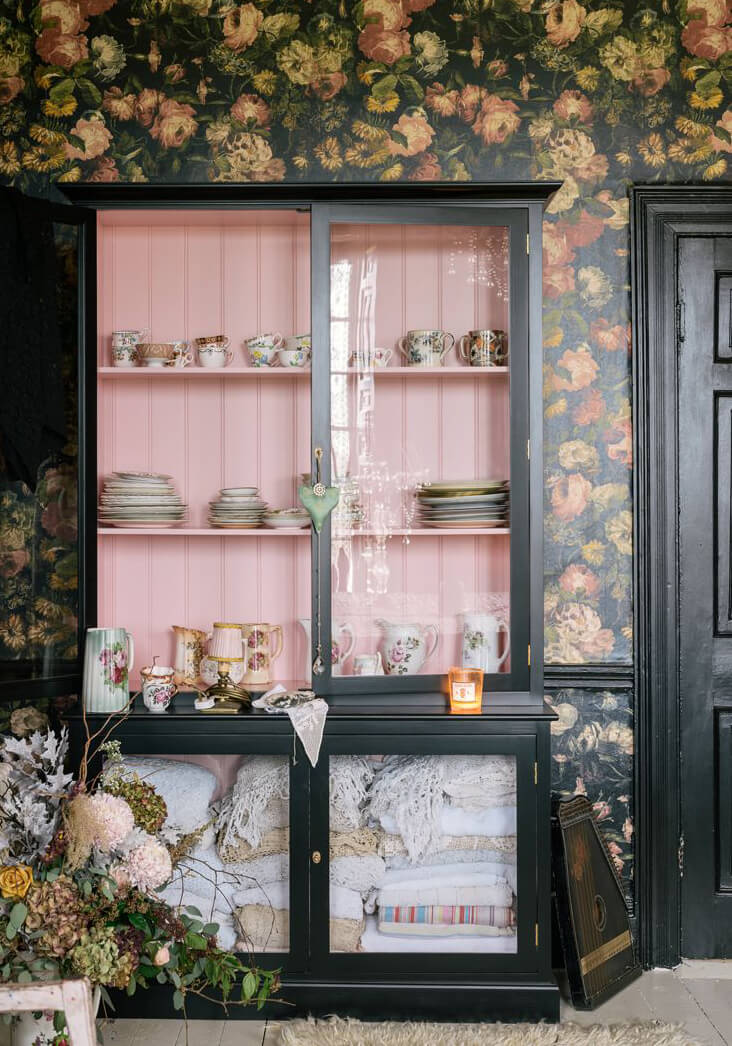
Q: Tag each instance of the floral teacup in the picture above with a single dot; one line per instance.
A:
(375, 357)
(181, 356)
(425, 348)
(263, 349)
(124, 347)
(158, 687)
(214, 351)
(294, 357)
(299, 341)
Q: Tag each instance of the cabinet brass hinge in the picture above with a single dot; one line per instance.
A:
(528, 241)
(536, 935)
(528, 655)
(536, 773)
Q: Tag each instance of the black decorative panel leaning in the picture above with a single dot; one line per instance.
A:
(723, 308)
(724, 799)
(723, 514)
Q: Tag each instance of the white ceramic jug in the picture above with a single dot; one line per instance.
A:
(338, 651)
(109, 655)
(188, 653)
(481, 642)
(406, 647)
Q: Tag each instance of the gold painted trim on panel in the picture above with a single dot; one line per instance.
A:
(604, 952)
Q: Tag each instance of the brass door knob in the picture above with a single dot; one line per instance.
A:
(316, 857)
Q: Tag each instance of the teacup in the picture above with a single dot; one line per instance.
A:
(294, 357)
(181, 355)
(299, 341)
(368, 664)
(155, 353)
(425, 348)
(486, 348)
(263, 349)
(124, 347)
(213, 351)
(374, 357)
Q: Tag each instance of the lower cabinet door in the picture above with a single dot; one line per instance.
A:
(424, 856)
(237, 819)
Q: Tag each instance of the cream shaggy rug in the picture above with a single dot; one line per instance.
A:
(339, 1032)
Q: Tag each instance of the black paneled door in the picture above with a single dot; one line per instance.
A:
(704, 331)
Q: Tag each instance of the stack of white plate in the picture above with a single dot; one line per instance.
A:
(464, 504)
(140, 499)
(239, 507)
(287, 518)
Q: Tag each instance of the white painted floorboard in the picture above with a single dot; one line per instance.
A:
(696, 995)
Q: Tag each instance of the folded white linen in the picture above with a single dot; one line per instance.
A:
(453, 857)
(373, 941)
(344, 903)
(454, 820)
(476, 884)
(478, 781)
(357, 873)
(453, 872)
(438, 930)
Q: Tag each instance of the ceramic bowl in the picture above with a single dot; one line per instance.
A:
(156, 350)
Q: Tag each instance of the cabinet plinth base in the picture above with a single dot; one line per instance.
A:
(373, 1001)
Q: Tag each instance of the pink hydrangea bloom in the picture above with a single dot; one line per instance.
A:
(114, 820)
(148, 865)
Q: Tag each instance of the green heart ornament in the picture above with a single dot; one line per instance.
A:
(319, 502)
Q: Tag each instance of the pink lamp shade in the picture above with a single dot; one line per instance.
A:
(226, 640)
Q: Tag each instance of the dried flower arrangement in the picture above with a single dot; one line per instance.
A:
(79, 863)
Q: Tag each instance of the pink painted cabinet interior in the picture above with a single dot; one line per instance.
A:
(183, 275)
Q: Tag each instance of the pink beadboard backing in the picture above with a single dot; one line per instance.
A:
(183, 276)
(386, 280)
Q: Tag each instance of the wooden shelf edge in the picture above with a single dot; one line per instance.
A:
(282, 373)
(283, 532)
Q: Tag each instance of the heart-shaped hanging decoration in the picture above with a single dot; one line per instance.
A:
(319, 502)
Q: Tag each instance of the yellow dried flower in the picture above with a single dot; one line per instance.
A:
(710, 100)
(368, 132)
(554, 410)
(63, 108)
(15, 881)
(594, 552)
(387, 104)
(652, 150)
(691, 128)
(329, 154)
(301, 162)
(265, 82)
(553, 337)
(365, 74)
(587, 77)
(9, 159)
(393, 173)
(44, 77)
(624, 159)
(37, 159)
(715, 170)
(45, 135)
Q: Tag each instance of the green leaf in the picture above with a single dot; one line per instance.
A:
(17, 914)
(59, 1021)
(196, 941)
(140, 923)
(10, 931)
(60, 92)
(177, 1000)
(723, 133)
(210, 929)
(414, 92)
(708, 81)
(193, 911)
(384, 86)
(90, 92)
(401, 138)
(25, 977)
(131, 986)
(249, 985)
(148, 971)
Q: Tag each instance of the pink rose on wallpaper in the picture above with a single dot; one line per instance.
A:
(441, 101)
(558, 280)
(706, 41)
(241, 26)
(105, 170)
(620, 441)
(650, 81)
(95, 136)
(174, 124)
(555, 246)
(60, 49)
(250, 107)
(583, 230)
(60, 521)
(612, 339)
(564, 22)
(120, 106)
(11, 563)
(497, 68)
(96, 7)
(573, 105)
(570, 496)
(590, 409)
(147, 104)
(578, 579)
(497, 119)
(417, 5)
(327, 87)
(64, 17)
(386, 14)
(581, 367)
(726, 124)
(416, 130)
(383, 45)
(429, 169)
(10, 87)
(470, 98)
(175, 73)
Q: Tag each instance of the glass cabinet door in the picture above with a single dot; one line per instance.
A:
(428, 854)
(427, 434)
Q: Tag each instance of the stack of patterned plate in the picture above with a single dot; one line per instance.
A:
(140, 499)
(237, 507)
(287, 518)
(464, 504)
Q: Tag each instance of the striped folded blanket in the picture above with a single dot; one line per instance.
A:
(450, 915)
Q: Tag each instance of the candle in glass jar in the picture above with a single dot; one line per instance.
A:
(466, 690)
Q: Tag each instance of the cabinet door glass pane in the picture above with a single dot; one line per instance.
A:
(423, 853)
(38, 473)
(228, 820)
(420, 441)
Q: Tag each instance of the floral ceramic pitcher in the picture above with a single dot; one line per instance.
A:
(109, 655)
(406, 647)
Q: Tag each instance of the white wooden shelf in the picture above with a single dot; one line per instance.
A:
(282, 532)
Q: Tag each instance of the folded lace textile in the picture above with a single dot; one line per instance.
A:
(392, 846)
(453, 857)
(277, 841)
(454, 915)
(357, 873)
(263, 929)
(345, 934)
(249, 812)
(354, 843)
(478, 781)
(350, 777)
(452, 820)
(475, 884)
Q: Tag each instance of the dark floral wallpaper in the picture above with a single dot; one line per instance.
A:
(593, 94)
